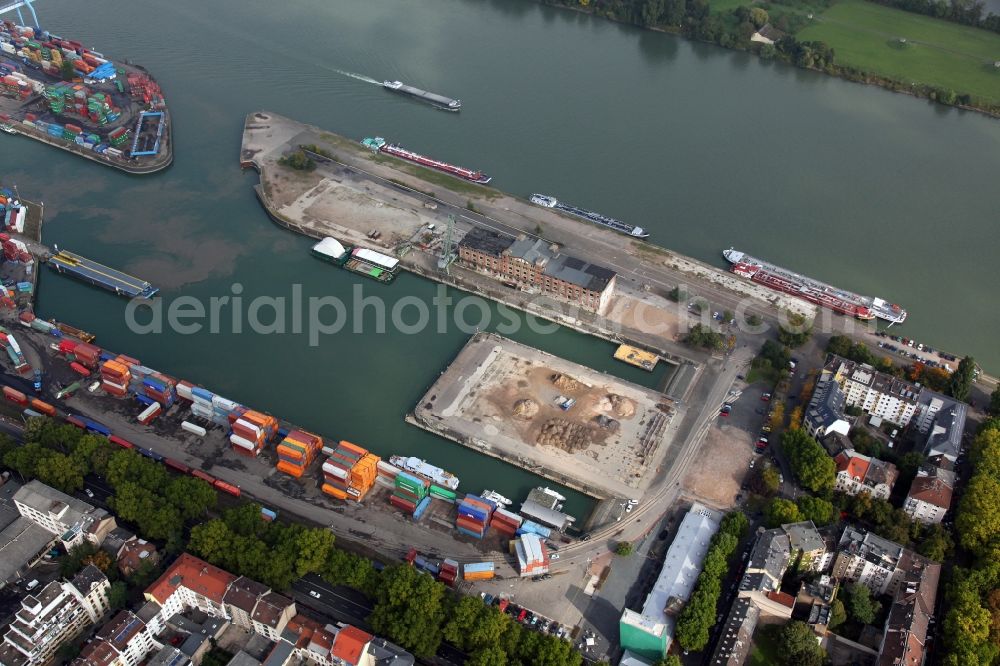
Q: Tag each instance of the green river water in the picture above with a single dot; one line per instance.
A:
(706, 148)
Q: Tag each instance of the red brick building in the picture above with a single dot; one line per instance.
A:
(531, 263)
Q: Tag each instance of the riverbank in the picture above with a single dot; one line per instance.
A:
(865, 43)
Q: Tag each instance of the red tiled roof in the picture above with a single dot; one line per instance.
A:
(196, 575)
(856, 466)
(96, 653)
(349, 644)
(931, 490)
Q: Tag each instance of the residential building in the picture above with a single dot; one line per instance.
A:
(535, 264)
(168, 655)
(878, 564)
(905, 638)
(930, 494)
(808, 545)
(768, 562)
(305, 640)
(22, 541)
(191, 583)
(733, 646)
(127, 635)
(648, 634)
(73, 521)
(115, 540)
(240, 600)
(825, 413)
(942, 419)
(876, 393)
(857, 473)
(59, 612)
(271, 614)
(134, 554)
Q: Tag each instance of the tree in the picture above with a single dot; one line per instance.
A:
(810, 462)
(758, 17)
(117, 595)
(669, 660)
(994, 408)
(860, 605)
(798, 646)
(777, 416)
(409, 610)
(192, 497)
(962, 378)
(677, 295)
(24, 459)
(60, 471)
(313, 547)
(816, 509)
(838, 615)
(213, 542)
(978, 521)
(703, 336)
(797, 331)
(935, 542)
(343, 568)
(71, 563)
(102, 561)
(298, 160)
(488, 656)
(765, 480)
(780, 511)
(624, 548)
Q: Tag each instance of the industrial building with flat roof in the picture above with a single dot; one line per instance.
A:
(537, 264)
(72, 520)
(649, 634)
(22, 541)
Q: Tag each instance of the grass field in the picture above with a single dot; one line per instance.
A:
(938, 53)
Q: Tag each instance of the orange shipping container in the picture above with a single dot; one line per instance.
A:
(43, 407)
(354, 447)
(479, 575)
(335, 492)
(290, 469)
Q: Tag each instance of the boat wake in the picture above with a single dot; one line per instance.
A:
(359, 77)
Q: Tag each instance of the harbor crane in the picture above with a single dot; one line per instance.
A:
(447, 247)
(7, 6)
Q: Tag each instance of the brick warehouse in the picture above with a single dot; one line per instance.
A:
(533, 263)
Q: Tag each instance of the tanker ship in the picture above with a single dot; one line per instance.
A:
(603, 220)
(840, 301)
(380, 145)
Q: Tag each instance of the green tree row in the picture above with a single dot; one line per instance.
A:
(814, 469)
(971, 627)
(698, 617)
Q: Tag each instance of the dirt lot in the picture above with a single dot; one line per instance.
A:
(724, 462)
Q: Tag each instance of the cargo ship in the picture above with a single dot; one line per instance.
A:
(380, 145)
(422, 468)
(363, 261)
(100, 275)
(840, 301)
(603, 220)
(438, 101)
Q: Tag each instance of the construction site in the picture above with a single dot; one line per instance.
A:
(577, 426)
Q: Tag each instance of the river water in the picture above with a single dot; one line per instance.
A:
(704, 147)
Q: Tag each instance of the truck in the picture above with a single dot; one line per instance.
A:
(37, 381)
(68, 391)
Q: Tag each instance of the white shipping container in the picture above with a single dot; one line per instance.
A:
(224, 404)
(8, 48)
(184, 391)
(243, 443)
(243, 423)
(334, 470)
(192, 428)
(152, 410)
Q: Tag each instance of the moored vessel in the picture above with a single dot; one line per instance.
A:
(378, 144)
(839, 300)
(422, 468)
(100, 275)
(603, 220)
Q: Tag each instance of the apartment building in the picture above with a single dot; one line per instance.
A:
(825, 413)
(876, 393)
(73, 521)
(857, 473)
(48, 618)
(930, 494)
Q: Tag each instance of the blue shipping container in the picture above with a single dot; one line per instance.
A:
(421, 508)
(469, 533)
(479, 567)
(202, 393)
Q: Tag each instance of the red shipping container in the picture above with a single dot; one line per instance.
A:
(79, 369)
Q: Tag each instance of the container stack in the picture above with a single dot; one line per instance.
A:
(251, 431)
(297, 451)
(409, 492)
(115, 377)
(474, 514)
(118, 136)
(506, 523)
(449, 572)
(349, 472)
(479, 571)
(443, 493)
(386, 471)
(87, 355)
(528, 527)
(532, 555)
(160, 388)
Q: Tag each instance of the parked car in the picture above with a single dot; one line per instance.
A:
(314, 593)
(766, 397)
(32, 585)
